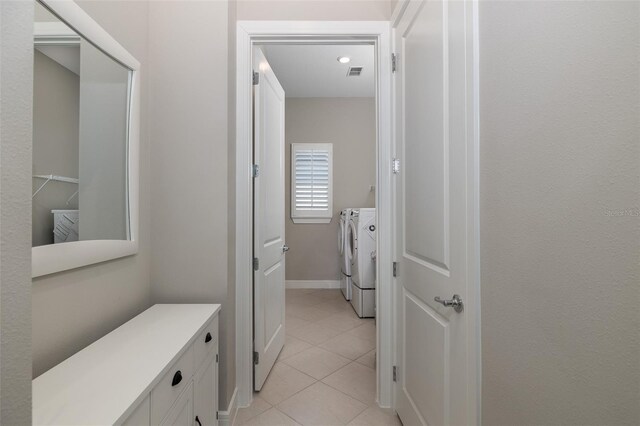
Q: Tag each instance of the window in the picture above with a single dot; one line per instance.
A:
(311, 182)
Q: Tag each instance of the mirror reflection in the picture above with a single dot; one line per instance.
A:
(80, 138)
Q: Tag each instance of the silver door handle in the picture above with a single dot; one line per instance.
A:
(456, 303)
(285, 248)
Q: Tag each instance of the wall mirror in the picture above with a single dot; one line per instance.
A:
(85, 142)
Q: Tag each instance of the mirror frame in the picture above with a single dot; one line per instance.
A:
(52, 258)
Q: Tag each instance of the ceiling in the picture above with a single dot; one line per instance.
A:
(313, 71)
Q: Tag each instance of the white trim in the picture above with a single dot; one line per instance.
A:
(308, 220)
(473, 251)
(398, 12)
(377, 32)
(228, 417)
(312, 284)
(53, 258)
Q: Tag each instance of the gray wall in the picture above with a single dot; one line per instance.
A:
(73, 309)
(16, 83)
(350, 125)
(55, 141)
(560, 156)
(315, 10)
(188, 112)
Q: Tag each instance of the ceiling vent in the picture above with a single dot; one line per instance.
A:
(354, 71)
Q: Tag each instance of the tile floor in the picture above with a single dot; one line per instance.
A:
(325, 375)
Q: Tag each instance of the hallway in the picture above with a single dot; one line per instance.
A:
(325, 375)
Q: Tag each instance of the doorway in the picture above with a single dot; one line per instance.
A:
(375, 34)
(314, 278)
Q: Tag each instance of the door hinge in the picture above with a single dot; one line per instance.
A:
(217, 417)
(256, 358)
(256, 263)
(395, 373)
(217, 358)
(393, 62)
(395, 269)
(255, 170)
(256, 78)
(395, 166)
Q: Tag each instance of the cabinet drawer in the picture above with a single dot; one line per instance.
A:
(206, 341)
(172, 383)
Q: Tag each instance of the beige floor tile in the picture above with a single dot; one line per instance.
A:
(293, 324)
(349, 346)
(314, 333)
(365, 331)
(334, 306)
(376, 416)
(316, 362)
(258, 406)
(307, 313)
(321, 405)
(272, 417)
(331, 294)
(342, 321)
(293, 346)
(306, 299)
(355, 380)
(368, 359)
(282, 382)
(294, 291)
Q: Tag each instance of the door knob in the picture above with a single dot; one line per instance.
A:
(456, 303)
(285, 248)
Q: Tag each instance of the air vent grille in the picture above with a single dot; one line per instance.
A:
(354, 71)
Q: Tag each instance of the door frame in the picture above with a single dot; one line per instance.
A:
(472, 301)
(377, 33)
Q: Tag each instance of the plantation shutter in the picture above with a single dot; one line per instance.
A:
(311, 176)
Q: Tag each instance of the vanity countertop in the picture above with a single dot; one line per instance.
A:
(101, 383)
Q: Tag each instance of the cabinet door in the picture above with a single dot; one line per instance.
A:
(141, 416)
(206, 392)
(181, 414)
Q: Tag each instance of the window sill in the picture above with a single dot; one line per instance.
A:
(301, 220)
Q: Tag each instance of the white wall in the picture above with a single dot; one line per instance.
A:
(73, 309)
(188, 115)
(16, 83)
(560, 151)
(350, 125)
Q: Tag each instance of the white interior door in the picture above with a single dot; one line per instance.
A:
(435, 384)
(269, 216)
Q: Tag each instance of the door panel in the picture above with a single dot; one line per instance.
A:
(269, 216)
(431, 81)
(425, 120)
(427, 355)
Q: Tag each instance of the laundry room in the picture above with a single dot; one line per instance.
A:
(327, 95)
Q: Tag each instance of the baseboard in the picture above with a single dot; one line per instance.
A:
(227, 418)
(312, 284)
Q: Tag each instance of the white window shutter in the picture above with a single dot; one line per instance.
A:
(311, 182)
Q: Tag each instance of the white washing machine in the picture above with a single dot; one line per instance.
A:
(345, 263)
(361, 248)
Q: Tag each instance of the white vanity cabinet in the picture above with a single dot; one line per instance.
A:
(160, 368)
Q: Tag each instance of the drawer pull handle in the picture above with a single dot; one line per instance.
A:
(177, 378)
(208, 338)
(198, 421)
